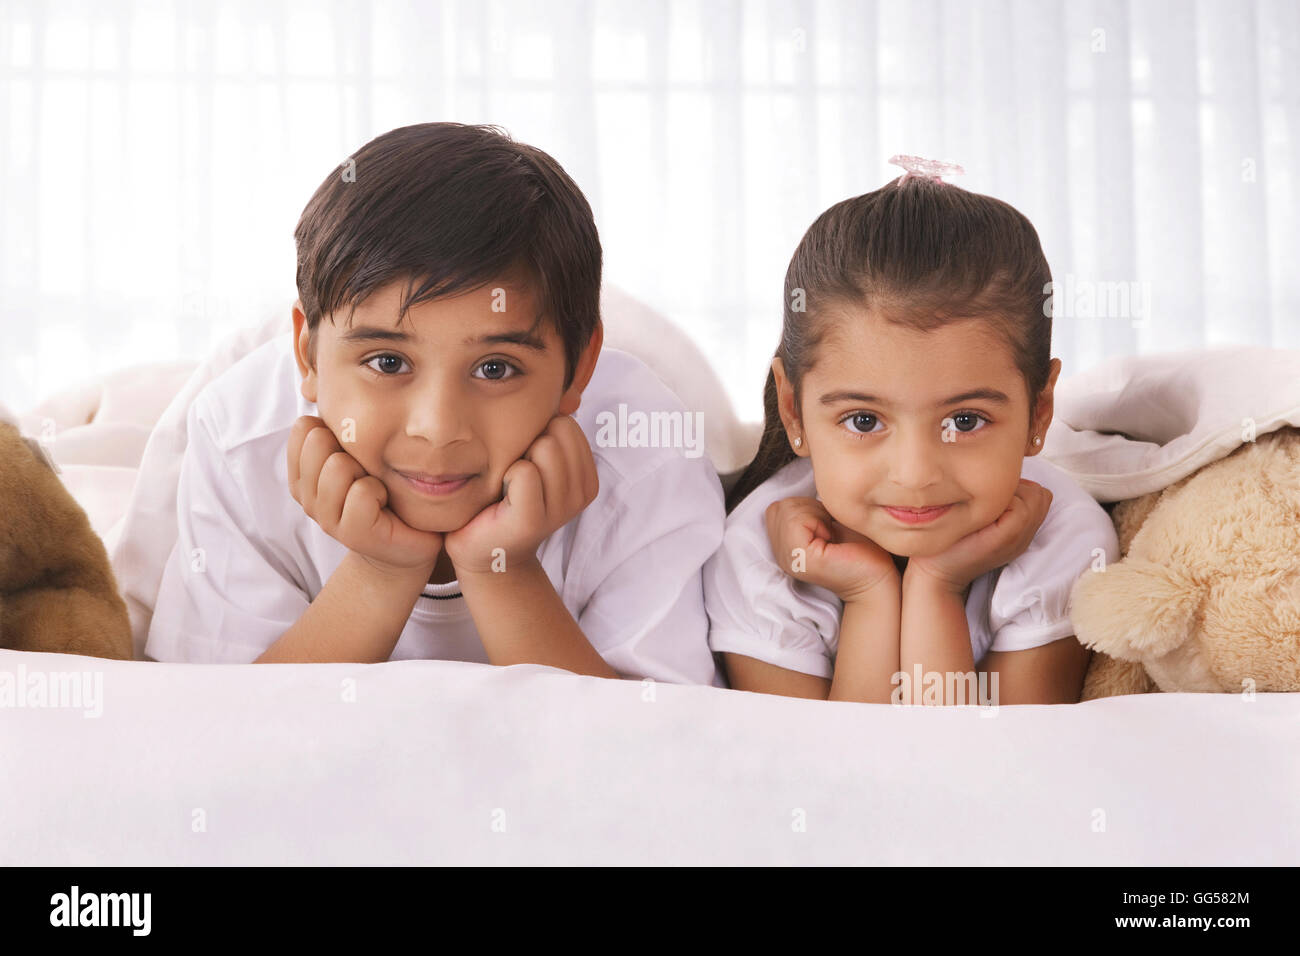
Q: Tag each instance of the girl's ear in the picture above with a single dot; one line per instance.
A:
(1043, 410)
(785, 406)
(302, 352)
(572, 396)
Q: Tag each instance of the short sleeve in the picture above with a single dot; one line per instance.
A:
(224, 596)
(1031, 600)
(639, 560)
(757, 610)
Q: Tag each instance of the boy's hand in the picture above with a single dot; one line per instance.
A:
(991, 546)
(350, 505)
(810, 545)
(543, 491)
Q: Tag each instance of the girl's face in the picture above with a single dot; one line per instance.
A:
(894, 417)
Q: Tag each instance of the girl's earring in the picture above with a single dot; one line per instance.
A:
(1037, 440)
(798, 442)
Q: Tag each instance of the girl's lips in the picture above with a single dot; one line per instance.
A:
(920, 516)
(438, 487)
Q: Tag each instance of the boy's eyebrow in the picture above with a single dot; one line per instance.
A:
(986, 394)
(527, 339)
(369, 333)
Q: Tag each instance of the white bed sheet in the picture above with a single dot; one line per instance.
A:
(588, 771)
(582, 771)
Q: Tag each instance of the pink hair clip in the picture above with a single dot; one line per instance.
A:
(934, 169)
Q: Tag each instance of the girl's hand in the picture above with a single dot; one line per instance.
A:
(991, 546)
(351, 505)
(810, 545)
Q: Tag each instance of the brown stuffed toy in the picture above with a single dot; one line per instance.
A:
(57, 590)
(1206, 595)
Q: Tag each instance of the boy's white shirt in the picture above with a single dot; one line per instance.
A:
(248, 560)
(757, 610)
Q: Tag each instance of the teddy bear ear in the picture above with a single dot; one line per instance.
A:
(1134, 610)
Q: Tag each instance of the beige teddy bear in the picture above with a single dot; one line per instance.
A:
(57, 589)
(1206, 595)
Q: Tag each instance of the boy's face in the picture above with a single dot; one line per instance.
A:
(908, 446)
(454, 396)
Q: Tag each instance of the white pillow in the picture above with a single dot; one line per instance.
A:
(1136, 424)
(142, 542)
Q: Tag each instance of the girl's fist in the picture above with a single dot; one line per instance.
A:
(811, 546)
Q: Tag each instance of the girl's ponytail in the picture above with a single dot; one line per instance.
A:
(774, 451)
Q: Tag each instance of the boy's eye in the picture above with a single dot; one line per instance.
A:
(389, 364)
(495, 370)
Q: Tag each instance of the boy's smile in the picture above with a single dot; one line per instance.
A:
(876, 406)
(441, 405)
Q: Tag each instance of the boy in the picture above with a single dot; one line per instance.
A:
(403, 479)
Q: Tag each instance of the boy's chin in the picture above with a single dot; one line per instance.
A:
(434, 518)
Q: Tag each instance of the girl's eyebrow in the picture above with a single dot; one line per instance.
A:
(986, 394)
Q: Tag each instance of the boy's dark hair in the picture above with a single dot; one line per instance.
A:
(923, 253)
(449, 207)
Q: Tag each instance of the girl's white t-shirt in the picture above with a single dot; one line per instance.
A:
(757, 610)
(248, 560)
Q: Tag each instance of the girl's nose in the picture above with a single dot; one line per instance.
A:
(914, 460)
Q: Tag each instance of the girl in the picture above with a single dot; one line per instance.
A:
(895, 537)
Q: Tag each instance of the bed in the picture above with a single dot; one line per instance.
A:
(433, 762)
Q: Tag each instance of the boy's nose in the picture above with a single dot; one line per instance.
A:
(437, 415)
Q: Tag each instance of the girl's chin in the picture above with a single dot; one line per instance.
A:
(907, 545)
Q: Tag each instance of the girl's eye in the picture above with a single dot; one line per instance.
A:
(495, 370)
(965, 422)
(389, 364)
(860, 423)
(863, 423)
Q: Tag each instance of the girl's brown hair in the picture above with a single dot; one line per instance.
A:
(922, 253)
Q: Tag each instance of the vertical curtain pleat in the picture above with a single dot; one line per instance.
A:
(1278, 35)
(859, 114)
(1236, 257)
(1100, 169)
(1037, 46)
(1169, 200)
(575, 110)
(728, 217)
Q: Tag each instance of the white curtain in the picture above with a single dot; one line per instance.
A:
(154, 156)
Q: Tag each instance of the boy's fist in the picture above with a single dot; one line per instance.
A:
(544, 490)
(809, 545)
(349, 504)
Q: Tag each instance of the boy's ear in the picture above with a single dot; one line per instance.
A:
(785, 405)
(572, 396)
(302, 352)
